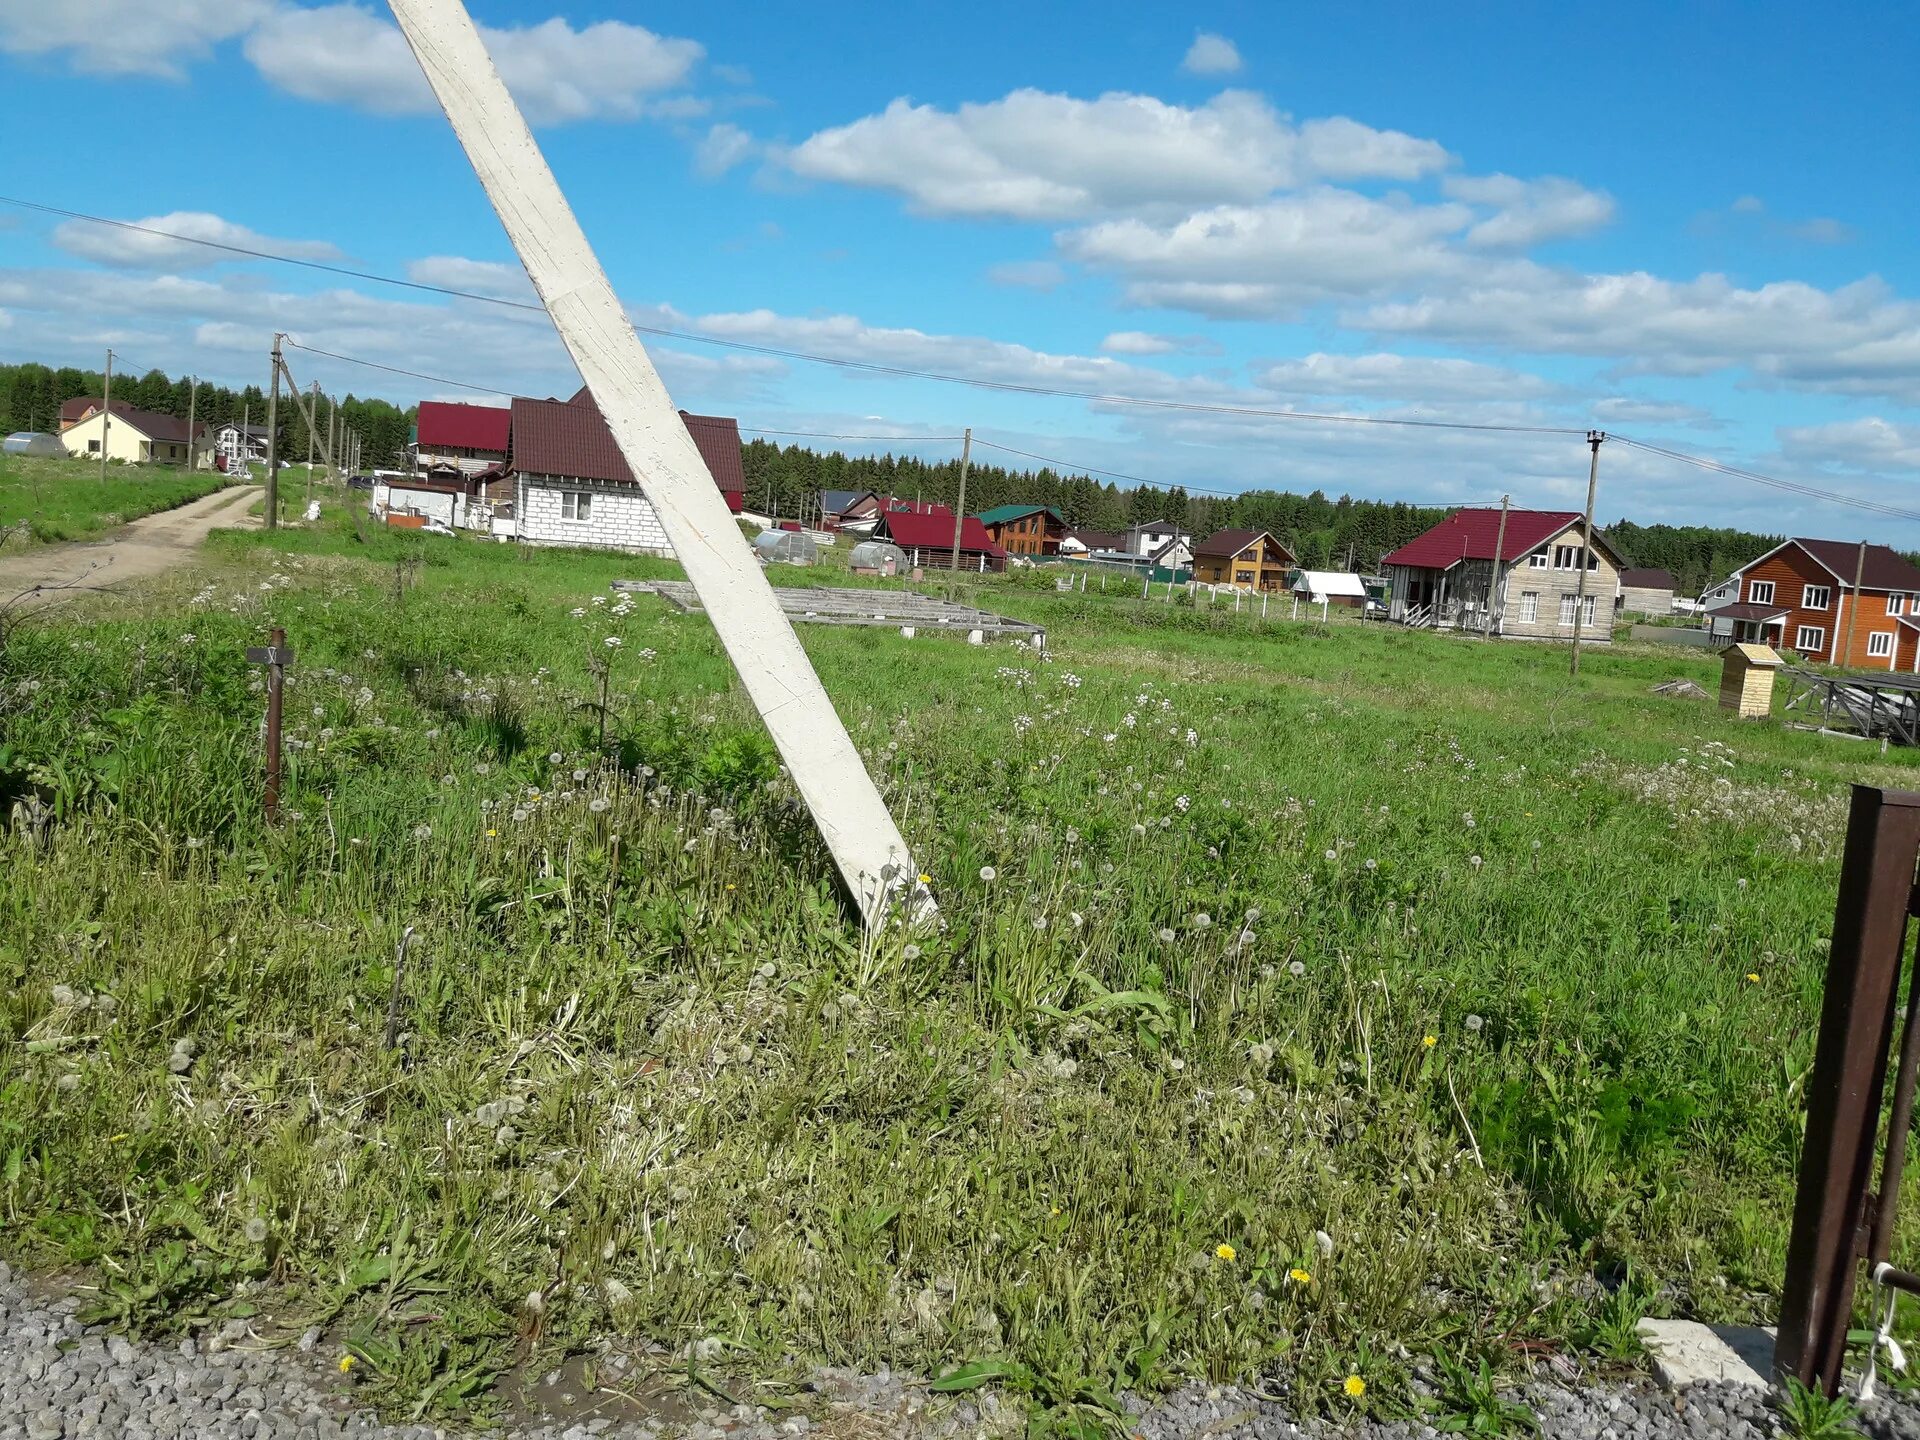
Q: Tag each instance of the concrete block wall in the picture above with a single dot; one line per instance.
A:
(620, 517)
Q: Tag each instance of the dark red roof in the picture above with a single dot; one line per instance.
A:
(72, 410)
(150, 423)
(935, 532)
(1646, 579)
(571, 439)
(1470, 535)
(1749, 612)
(471, 427)
(894, 504)
(1883, 570)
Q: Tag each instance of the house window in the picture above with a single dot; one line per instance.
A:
(1896, 604)
(1538, 560)
(1809, 639)
(93, 447)
(1243, 577)
(1880, 644)
(1566, 609)
(1565, 557)
(1529, 607)
(1816, 597)
(576, 505)
(1760, 592)
(1586, 610)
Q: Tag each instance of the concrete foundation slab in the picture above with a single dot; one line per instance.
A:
(1685, 1352)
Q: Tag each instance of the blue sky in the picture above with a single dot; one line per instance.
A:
(1694, 228)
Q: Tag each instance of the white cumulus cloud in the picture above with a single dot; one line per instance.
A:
(1034, 155)
(1526, 213)
(1211, 54)
(720, 149)
(477, 277)
(125, 37)
(143, 250)
(1869, 443)
(1401, 377)
(610, 70)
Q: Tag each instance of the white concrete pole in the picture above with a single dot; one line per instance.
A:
(865, 843)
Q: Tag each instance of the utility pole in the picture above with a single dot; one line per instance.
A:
(1595, 438)
(193, 447)
(1853, 609)
(1496, 600)
(246, 437)
(316, 391)
(960, 510)
(273, 448)
(106, 416)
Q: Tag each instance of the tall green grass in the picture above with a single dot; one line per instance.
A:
(1397, 962)
(43, 501)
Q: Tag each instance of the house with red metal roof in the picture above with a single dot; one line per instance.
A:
(1515, 573)
(1839, 601)
(928, 540)
(454, 439)
(572, 486)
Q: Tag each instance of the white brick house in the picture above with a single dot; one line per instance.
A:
(571, 485)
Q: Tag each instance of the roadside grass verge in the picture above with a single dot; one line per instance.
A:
(46, 501)
(1312, 1000)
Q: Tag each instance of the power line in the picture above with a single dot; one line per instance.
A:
(825, 435)
(1791, 487)
(396, 370)
(872, 367)
(975, 382)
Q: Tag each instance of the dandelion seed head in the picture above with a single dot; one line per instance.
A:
(1297, 969)
(989, 874)
(256, 1231)
(1203, 921)
(599, 804)
(1474, 1023)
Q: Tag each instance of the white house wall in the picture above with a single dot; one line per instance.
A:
(619, 517)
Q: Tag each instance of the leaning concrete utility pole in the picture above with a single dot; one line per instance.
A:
(960, 509)
(1595, 438)
(868, 848)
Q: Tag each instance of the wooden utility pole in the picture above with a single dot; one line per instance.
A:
(960, 510)
(193, 446)
(106, 415)
(246, 437)
(1853, 605)
(276, 656)
(1497, 597)
(309, 418)
(273, 448)
(1595, 438)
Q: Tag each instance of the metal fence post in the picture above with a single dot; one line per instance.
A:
(1831, 1209)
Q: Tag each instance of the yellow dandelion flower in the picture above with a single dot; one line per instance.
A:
(346, 1363)
(491, 834)
(1224, 1251)
(1430, 1041)
(1354, 1386)
(925, 879)
(729, 887)
(1299, 1276)
(1753, 977)
(1056, 1210)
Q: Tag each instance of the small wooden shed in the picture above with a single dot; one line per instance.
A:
(1746, 680)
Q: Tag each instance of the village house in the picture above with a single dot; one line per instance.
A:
(451, 439)
(1450, 577)
(837, 506)
(1253, 559)
(134, 437)
(1150, 538)
(1645, 592)
(572, 486)
(863, 515)
(927, 540)
(1079, 542)
(237, 446)
(1035, 530)
(1802, 596)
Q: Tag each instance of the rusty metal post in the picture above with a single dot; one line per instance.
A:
(276, 657)
(1844, 1093)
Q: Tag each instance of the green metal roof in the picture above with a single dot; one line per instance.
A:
(1000, 514)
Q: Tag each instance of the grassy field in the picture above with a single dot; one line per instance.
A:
(44, 501)
(1312, 1002)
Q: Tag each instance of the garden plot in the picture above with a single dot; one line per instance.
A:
(827, 605)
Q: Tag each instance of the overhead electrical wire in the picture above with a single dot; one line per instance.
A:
(396, 370)
(975, 382)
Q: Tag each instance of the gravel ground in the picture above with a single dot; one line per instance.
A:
(60, 1381)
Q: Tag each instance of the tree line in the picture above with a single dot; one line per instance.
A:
(31, 396)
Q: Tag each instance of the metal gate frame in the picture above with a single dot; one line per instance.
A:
(1840, 1217)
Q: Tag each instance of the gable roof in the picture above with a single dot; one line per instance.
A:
(1099, 539)
(470, 427)
(1470, 535)
(1155, 525)
(571, 439)
(1646, 579)
(935, 532)
(838, 502)
(77, 408)
(1225, 544)
(1882, 570)
(150, 423)
(1001, 514)
(1330, 582)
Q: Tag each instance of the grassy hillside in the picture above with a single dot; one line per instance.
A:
(42, 501)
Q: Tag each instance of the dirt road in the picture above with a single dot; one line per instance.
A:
(135, 551)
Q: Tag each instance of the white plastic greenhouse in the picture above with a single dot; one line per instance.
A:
(786, 547)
